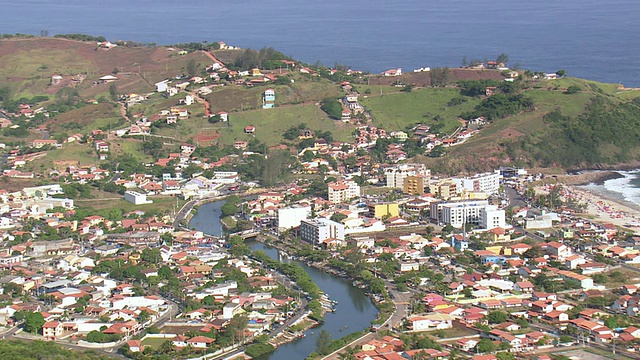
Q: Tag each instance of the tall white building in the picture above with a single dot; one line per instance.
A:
(458, 214)
(396, 175)
(470, 212)
(316, 231)
(291, 217)
(486, 182)
(342, 191)
(491, 217)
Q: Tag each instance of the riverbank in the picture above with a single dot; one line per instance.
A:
(328, 270)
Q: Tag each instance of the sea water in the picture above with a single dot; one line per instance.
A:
(593, 39)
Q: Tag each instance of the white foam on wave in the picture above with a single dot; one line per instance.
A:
(624, 186)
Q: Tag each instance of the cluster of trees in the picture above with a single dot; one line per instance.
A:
(332, 107)
(270, 170)
(257, 350)
(96, 336)
(154, 148)
(605, 133)
(294, 271)
(266, 58)
(440, 77)
(82, 37)
(197, 46)
(499, 106)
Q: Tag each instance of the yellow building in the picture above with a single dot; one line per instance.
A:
(381, 210)
(413, 185)
(446, 189)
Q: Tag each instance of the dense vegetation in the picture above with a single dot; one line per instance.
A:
(294, 271)
(256, 350)
(82, 37)
(605, 133)
(332, 107)
(499, 106)
(18, 350)
(266, 58)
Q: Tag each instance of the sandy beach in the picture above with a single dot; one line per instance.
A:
(599, 207)
(605, 209)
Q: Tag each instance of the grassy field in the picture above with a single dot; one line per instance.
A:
(83, 154)
(109, 201)
(235, 98)
(154, 343)
(401, 110)
(272, 123)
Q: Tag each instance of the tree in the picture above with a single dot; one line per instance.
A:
(573, 89)
(485, 346)
(323, 342)
(338, 217)
(497, 317)
(502, 58)
(505, 356)
(192, 67)
(33, 322)
(332, 107)
(561, 73)
(113, 91)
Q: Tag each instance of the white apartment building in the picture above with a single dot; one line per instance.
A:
(396, 175)
(437, 209)
(472, 212)
(486, 182)
(316, 231)
(342, 191)
(491, 217)
(291, 217)
(458, 214)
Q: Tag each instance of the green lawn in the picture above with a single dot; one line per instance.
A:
(160, 203)
(83, 153)
(272, 123)
(404, 109)
(154, 343)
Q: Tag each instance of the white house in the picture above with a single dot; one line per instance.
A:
(432, 321)
(136, 197)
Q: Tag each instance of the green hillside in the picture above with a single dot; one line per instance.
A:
(567, 122)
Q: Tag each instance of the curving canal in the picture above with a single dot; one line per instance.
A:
(354, 311)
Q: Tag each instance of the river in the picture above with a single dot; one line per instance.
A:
(354, 311)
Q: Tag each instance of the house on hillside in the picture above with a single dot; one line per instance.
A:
(268, 99)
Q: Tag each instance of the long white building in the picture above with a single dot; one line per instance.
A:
(486, 182)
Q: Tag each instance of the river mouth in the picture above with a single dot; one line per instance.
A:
(354, 311)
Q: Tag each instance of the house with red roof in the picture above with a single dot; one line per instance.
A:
(200, 342)
(52, 330)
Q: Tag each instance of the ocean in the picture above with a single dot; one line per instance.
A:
(592, 39)
(625, 188)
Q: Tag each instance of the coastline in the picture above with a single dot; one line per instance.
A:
(605, 208)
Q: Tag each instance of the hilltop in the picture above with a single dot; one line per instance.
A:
(114, 88)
